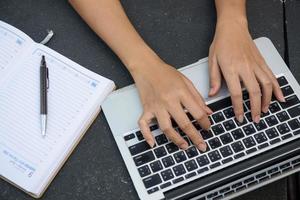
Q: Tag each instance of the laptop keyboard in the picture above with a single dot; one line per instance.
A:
(228, 141)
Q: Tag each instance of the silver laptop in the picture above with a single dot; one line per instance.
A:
(240, 157)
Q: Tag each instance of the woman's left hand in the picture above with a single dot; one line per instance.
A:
(234, 55)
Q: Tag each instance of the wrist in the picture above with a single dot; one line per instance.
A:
(143, 59)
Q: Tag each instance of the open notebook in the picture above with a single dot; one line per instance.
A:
(28, 160)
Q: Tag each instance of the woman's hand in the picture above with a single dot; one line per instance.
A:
(234, 55)
(165, 93)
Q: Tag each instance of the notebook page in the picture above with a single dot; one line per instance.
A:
(29, 158)
(13, 44)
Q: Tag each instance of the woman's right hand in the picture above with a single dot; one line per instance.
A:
(165, 93)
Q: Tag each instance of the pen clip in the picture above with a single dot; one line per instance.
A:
(47, 75)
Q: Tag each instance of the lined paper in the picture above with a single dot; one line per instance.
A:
(21, 143)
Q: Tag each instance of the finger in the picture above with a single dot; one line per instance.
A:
(215, 75)
(199, 99)
(266, 86)
(275, 86)
(252, 86)
(144, 121)
(164, 121)
(196, 111)
(186, 126)
(234, 87)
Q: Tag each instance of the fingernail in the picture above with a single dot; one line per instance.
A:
(202, 146)
(240, 118)
(265, 109)
(151, 143)
(257, 119)
(282, 99)
(183, 146)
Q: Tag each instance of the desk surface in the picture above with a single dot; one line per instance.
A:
(179, 31)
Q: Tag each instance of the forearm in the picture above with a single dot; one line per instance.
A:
(108, 19)
(231, 11)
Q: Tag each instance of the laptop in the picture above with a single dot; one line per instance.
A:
(240, 156)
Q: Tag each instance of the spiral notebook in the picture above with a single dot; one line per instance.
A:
(28, 160)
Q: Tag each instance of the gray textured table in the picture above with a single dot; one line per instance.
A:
(179, 31)
(293, 55)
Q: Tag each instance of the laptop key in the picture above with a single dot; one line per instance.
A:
(218, 129)
(243, 122)
(226, 151)
(167, 184)
(249, 142)
(160, 152)
(226, 138)
(218, 117)
(283, 128)
(206, 134)
(161, 139)
(129, 137)
(214, 143)
(287, 136)
(202, 170)
(144, 158)
(294, 111)
(167, 174)
(139, 135)
(179, 170)
(144, 170)
(272, 133)
(296, 132)
(264, 145)
(168, 161)
(171, 147)
(252, 150)
(237, 134)
(190, 175)
(219, 105)
(192, 152)
(139, 148)
(274, 141)
(261, 125)
(237, 146)
(249, 129)
(152, 180)
(227, 160)
(282, 116)
(179, 156)
(228, 112)
(258, 176)
(202, 160)
(294, 124)
(282, 81)
(260, 137)
(214, 156)
(274, 107)
(214, 165)
(229, 125)
(287, 90)
(239, 155)
(177, 180)
(156, 166)
(248, 116)
(271, 120)
(152, 190)
(191, 165)
(290, 101)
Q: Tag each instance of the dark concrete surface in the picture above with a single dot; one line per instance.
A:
(179, 31)
(292, 8)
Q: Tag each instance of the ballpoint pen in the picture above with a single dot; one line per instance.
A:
(44, 84)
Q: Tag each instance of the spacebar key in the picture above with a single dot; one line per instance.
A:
(218, 105)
